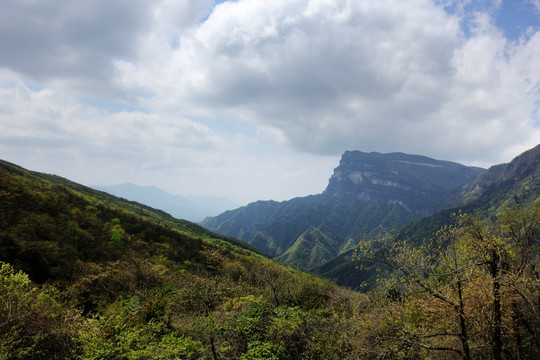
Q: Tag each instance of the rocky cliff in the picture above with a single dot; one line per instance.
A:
(417, 183)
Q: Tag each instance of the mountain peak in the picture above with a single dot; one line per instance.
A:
(410, 180)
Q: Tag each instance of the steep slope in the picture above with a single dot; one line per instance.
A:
(517, 181)
(367, 192)
(418, 183)
(501, 186)
(310, 249)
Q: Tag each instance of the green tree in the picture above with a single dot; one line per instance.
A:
(476, 269)
(505, 250)
(33, 324)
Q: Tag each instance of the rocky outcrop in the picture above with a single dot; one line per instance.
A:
(418, 183)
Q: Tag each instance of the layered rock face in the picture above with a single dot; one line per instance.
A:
(418, 183)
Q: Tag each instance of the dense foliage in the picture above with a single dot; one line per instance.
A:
(84, 276)
(88, 278)
(472, 292)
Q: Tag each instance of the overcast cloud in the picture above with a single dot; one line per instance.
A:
(258, 99)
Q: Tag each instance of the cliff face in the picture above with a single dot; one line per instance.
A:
(367, 192)
(418, 183)
(501, 187)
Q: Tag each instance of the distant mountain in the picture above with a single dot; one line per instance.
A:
(192, 208)
(418, 183)
(367, 192)
(504, 185)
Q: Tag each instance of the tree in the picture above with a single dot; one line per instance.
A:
(430, 277)
(505, 250)
(472, 270)
(33, 324)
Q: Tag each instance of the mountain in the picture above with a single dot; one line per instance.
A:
(87, 275)
(502, 186)
(367, 192)
(192, 208)
(49, 183)
(417, 183)
(505, 184)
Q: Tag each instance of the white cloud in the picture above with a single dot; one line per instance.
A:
(74, 45)
(536, 4)
(48, 131)
(336, 75)
(177, 93)
(44, 118)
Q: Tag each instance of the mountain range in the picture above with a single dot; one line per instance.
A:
(367, 192)
(88, 275)
(85, 274)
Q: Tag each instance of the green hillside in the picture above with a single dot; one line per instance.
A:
(84, 275)
(310, 249)
(119, 280)
(59, 184)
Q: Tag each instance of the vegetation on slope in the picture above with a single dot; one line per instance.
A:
(473, 291)
(56, 183)
(84, 278)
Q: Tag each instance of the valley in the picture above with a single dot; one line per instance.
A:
(430, 245)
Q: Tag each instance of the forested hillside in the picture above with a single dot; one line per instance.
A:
(84, 275)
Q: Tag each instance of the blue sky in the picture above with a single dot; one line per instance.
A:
(257, 99)
(516, 17)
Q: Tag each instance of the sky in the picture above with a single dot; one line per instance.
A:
(256, 100)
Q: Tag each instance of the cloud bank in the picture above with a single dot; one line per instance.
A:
(372, 75)
(237, 85)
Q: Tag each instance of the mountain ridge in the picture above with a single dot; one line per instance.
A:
(87, 275)
(502, 186)
(137, 208)
(366, 192)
